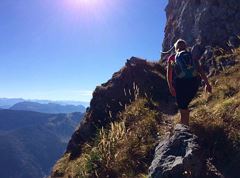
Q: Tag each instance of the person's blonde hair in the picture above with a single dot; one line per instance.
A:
(180, 45)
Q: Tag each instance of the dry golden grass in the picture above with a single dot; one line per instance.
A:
(124, 148)
(221, 109)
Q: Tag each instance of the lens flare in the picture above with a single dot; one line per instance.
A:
(89, 12)
(85, 3)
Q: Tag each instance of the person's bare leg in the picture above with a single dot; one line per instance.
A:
(184, 116)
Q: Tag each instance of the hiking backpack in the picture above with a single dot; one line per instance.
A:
(185, 66)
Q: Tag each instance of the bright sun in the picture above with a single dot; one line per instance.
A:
(83, 5)
(85, 2)
(88, 9)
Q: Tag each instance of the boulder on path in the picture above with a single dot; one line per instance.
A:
(178, 155)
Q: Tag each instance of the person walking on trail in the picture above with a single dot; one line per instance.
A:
(184, 75)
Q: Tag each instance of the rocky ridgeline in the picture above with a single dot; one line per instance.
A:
(215, 22)
(137, 78)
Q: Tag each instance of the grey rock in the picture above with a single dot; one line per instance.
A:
(178, 156)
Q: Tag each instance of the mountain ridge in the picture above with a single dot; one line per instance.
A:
(47, 108)
(6, 103)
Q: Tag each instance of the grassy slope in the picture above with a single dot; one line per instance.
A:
(216, 119)
(125, 148)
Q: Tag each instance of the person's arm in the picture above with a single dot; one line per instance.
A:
(198, 56)
(169, 79)
(204, 78)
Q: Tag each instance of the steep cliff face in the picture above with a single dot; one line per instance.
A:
(215, 22)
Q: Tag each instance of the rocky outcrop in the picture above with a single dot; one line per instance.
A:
(137, 78)
(178, 156)
(214, 22)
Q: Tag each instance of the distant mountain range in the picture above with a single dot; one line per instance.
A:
(47, 108)
(6, 103)
(31, 142)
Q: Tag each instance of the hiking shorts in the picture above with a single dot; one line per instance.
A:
(186, 90)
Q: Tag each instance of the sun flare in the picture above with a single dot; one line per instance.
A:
(85, 2)
(89, 10)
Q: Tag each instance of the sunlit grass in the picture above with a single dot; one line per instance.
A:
(220, 110)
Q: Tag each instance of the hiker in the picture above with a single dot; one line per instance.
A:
(184, 76)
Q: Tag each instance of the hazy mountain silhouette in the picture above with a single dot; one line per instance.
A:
(47, 108)
(6, 103)
(31, 142)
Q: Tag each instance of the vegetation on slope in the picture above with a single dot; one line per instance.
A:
(125, 148)
(216, 118)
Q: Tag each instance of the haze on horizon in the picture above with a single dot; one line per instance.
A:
(63, 49)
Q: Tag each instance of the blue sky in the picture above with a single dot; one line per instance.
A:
(63, 49)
